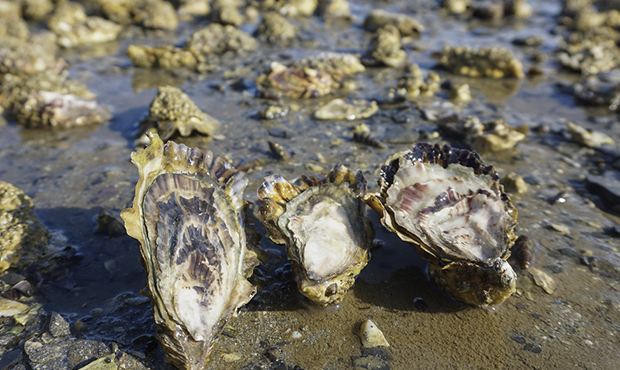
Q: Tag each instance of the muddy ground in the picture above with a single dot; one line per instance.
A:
(74, 174)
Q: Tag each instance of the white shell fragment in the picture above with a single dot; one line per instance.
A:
(187, 216)
(341, 110)
(371, 336)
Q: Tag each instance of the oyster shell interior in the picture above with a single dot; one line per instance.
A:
(452, 207)
(186, 214)
(322, 222)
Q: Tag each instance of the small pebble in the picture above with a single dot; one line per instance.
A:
(371, 336)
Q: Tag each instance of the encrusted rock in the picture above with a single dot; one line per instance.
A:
(74, 28)
(481, 62)
(414, 84)
(492, 136)
(276, 29)
(152, 14)
(334, 8)
(22, 237)
(218, 39)
(172, 112)
(386, 48)
(166, 57)
(406, 25)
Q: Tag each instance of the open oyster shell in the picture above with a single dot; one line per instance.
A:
(187, 216)
(323, 224)
(452, 208)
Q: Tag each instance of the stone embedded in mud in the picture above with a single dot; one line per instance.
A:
(543, 280)
(322, 222)
(22, 237)
(481, 62)
(386, 48)
(450, 205)
(371, 336)
(187, 214)
(276, 29)
(589, 138)
(513, 183)
(341, 110)
(406, 25)
(172, 112)
(492, 136)
(309, 77)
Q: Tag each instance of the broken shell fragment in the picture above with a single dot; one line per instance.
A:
(322, 222)
(172, 112)
(309, 77)
(340, 110)
(187, 215)
(451, 206)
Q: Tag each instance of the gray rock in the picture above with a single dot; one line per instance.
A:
(607, 186)
(47, 353)
(58, 326)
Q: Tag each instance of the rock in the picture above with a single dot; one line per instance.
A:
(456, 6)
(22, 237)
(481, 62)
(460, 93)
(371, 336)
(414, 85)
(108, 224)
(561, 228)
(386, 48)
(172, 112)
(406, 25)
(231, 357)
(513, 183)
(62, 353)
(607, 186)
(10, 308)
(492, 136)
(276, 29)
(589, 138)
(274, 112)
(340, 110)
(334, 9)
(58, 326)
(543, 280)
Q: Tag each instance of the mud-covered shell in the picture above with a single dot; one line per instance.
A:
(187, 216)
(322, 221)
(452, 208)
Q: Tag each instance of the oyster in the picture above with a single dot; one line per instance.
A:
(322, 222)
(308, 77)
(386, 48)
(414, 85)
(187, 216)
(74, 28)
(172, 111)
(452, 208)
(150, 14)
(276, 29)
(492, 136)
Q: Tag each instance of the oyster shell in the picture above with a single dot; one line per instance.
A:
(323, 224)
(452, 208)
(308, 77)
(491, 62)
(187, 216)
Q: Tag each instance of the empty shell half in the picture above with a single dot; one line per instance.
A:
(187, 216)
(322, 221)
(452, 208)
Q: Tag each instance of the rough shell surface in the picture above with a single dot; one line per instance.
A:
(452, 208)
(322, 222)
(187, 216)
